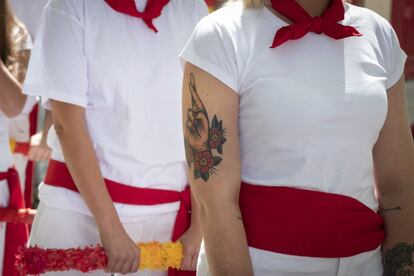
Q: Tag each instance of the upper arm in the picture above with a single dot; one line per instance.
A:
(58, 64)
(394, 150)
(210, 120)
(68, 116)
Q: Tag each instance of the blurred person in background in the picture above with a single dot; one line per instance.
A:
(298, 144)
(27, 137)
(15, 45)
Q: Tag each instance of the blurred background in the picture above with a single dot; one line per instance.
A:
(400, 13)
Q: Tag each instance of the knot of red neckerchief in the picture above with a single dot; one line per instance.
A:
(303, 23)
(152, 10)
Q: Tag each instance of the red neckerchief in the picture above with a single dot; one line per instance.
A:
(303, 23)
(152, 10)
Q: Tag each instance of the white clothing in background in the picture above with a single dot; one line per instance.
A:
(29, 12)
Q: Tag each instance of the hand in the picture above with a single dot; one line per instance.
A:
(39, 150)
(191, 241)
(197, 125)
(123, 254)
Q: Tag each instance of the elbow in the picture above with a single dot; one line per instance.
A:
(217, 204)
(12, 110)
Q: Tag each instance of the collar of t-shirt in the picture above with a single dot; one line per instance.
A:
(153, 9)
(303, 22)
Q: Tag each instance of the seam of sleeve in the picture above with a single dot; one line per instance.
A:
(211, 69)
(74, 19)
(54, 95)
(398, 71)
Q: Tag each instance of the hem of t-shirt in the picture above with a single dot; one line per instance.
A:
(396, 75)
(48, 94)
(210, 68)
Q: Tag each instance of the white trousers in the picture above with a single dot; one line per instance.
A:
(55, 228)
(267, 263)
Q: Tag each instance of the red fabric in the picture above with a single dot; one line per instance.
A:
(22, 148)
(16, 234)
(303, 23)
(28, 187)
(58, 175)
(308, 223)
(153, 10)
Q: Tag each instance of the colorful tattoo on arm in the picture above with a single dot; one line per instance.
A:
(203, 141)
(399, 261)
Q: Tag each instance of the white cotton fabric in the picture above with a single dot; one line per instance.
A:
(129, 81)
(29, 12)
(56, 228)
(310, 110)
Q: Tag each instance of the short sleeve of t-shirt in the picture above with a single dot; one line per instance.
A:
(57, 68)
(394, 56)
(211, 49)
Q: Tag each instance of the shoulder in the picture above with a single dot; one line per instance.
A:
(189, 8)
(74, 9)
(231, 20)
(367, 20)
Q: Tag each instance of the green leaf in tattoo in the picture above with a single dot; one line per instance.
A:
(201, 138)
(399, 261)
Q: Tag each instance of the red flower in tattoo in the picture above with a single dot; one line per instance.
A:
(204, 161)
(215, 138)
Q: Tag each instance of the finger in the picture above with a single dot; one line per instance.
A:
(186, 262)
(119, 265)
(135, 265)
(194, 260)
(30, 154)
(110, 267)
(127, 266)
(45, 155)
(194, 95)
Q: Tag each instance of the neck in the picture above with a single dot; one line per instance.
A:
(314, 8)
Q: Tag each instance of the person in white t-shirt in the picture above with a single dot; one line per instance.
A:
(14, 49)
(109, 72)
(295, 115)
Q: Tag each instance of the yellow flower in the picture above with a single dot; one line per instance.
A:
(161, 256)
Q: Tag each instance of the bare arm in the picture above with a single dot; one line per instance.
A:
(394, 163)
(39, 150)
(80, 157)
(11, 98)
(210, 115)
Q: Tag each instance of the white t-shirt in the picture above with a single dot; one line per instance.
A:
(129, 80)
(29, 12)
(310, 110)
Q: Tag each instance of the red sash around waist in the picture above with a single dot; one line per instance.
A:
(308, 223)
(58, 175)
(16, 234)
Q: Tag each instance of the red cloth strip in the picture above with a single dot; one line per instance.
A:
(28, 187)
(10, 215)
(22, 148)
(303, 23)
(308, 223)
(152, 10)
(58, 175)
(16, 234)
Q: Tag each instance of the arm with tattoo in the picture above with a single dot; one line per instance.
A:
(210, 119)
(394, 163)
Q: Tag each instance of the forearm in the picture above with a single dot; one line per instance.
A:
(83, 165)
(225, 240)
(47, 123)
(11, 98)
(398, 248)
